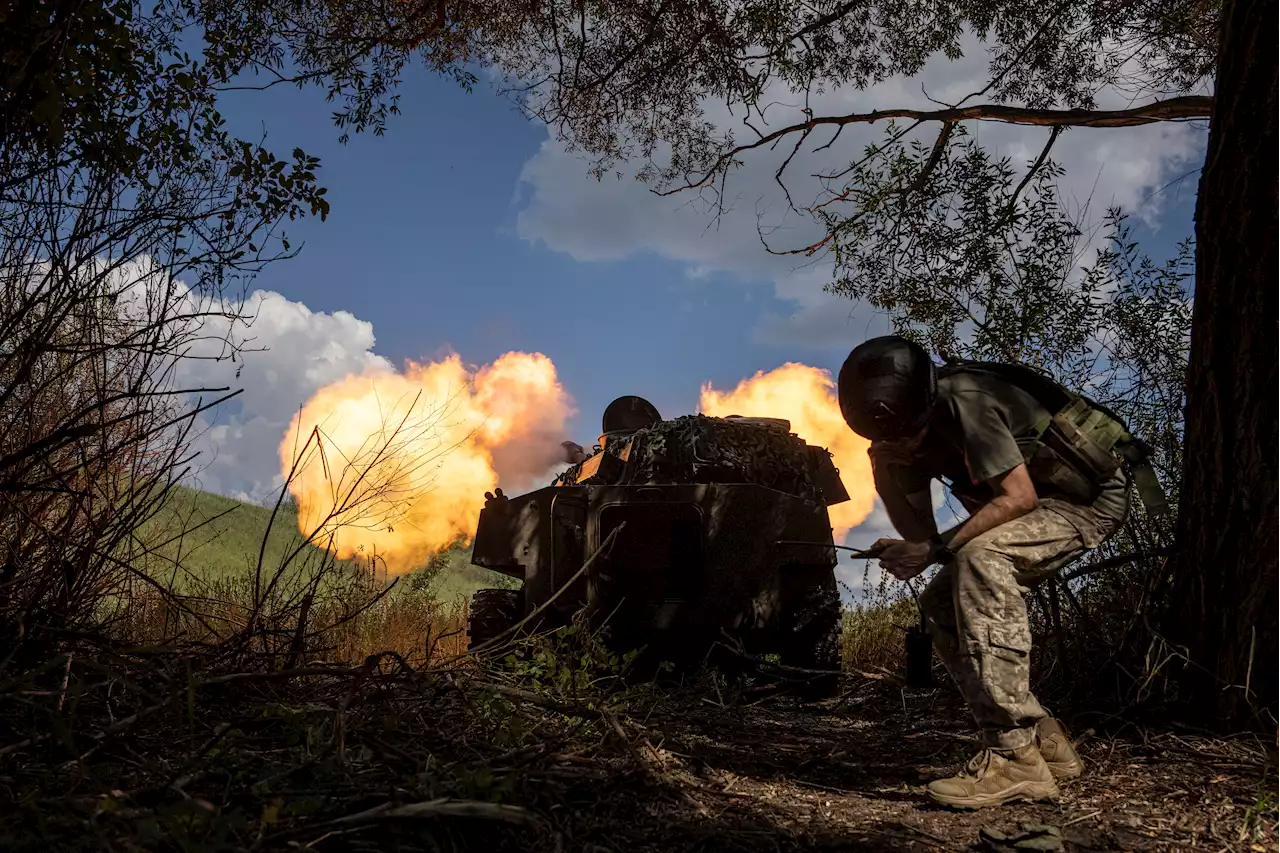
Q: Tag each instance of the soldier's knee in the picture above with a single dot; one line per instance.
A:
(972, 554)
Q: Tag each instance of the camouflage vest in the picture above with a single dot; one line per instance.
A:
(1081, 443)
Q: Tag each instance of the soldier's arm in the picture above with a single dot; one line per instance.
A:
(910, 510)
(1015, 497)
(992, 456)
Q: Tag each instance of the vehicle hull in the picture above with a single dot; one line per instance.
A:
(691, 561)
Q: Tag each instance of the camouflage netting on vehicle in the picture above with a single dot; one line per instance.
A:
(702, 449)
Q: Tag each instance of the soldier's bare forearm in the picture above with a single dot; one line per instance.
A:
(990, 516)
(1015, 497)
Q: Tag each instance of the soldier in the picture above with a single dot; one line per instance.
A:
(1031, 511)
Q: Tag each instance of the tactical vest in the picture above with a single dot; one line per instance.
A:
(1080, 444)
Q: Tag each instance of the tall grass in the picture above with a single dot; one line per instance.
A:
(873, 634)
(203, 550)
(348, 620)
(198, 537)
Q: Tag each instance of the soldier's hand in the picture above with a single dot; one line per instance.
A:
(882, 545)
(904, 560)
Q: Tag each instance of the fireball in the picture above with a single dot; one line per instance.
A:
(806, 397)
(393, 466)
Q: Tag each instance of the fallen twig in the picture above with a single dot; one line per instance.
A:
(1082, 818)
(442, 808)
(536, 699)
(639, 759)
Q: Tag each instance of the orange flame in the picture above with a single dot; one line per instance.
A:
(805, 396)
(397, 464)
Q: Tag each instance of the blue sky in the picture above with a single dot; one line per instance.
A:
(465, 228)
(422, 242)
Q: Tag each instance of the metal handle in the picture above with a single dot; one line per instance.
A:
(859, 553)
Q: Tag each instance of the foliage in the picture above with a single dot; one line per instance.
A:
(357, 51)
(62, 66)
(1258, 816)
(873, 631)
(573, 662)
(127, 214)
(631, 84)
(972, 262)
(980, 263)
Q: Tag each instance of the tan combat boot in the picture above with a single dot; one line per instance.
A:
(1063, 760)
(994, 777)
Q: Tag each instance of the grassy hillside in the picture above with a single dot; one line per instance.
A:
(460, 580)
(211, 536)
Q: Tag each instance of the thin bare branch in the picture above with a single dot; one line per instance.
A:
(1186, 108)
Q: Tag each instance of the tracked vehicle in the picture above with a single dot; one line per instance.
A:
(726, 533)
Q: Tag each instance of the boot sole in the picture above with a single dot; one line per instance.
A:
(1023, 791)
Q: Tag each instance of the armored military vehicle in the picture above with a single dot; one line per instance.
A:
(726, 533)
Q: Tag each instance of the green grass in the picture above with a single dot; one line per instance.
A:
(219, 536)
(215, 537)
(460, 580)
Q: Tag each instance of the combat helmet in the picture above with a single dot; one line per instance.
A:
(887, 388)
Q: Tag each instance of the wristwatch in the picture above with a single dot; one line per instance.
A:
(941, 553)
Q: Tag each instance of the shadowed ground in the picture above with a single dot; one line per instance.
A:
(389, 758)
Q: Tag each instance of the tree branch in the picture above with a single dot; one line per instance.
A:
(935, 156)
(1035, 167)
(1112, 562)
(1172, 109)
(827, 19)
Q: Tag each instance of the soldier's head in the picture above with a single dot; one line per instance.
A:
(887, 388)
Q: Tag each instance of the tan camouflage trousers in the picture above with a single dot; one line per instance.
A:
(976, 611)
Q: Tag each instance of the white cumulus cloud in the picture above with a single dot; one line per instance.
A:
(290, 352)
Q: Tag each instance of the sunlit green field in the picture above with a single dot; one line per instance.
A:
(202, 536)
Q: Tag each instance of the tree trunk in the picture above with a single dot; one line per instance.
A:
(1224, 604)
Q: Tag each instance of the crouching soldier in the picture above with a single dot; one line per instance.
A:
(1039, 496)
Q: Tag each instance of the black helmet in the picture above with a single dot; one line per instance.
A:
(629, 414)
(887, 388)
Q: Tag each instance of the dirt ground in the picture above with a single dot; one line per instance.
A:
(849, 775)
(414, 761)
